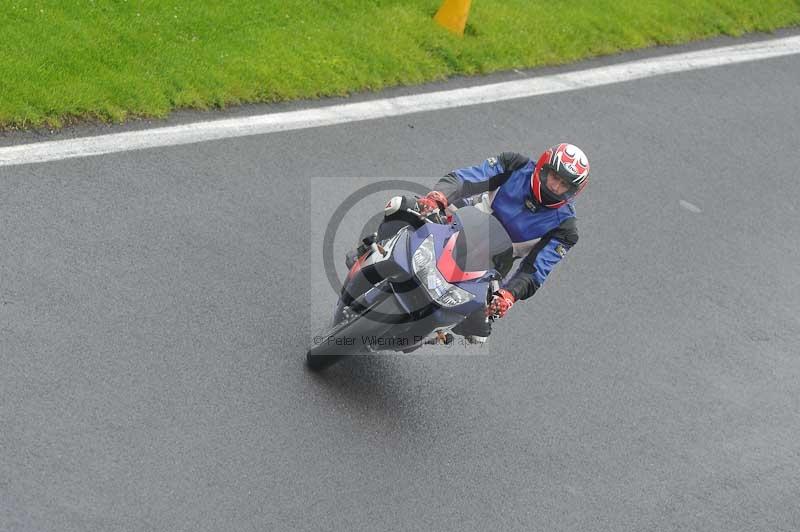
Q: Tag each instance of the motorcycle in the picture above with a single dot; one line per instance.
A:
(417, 280)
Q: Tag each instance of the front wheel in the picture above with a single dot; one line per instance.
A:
(342, 339)
(320, 361)
(334, 345)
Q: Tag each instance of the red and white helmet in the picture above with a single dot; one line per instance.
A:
(570, 164)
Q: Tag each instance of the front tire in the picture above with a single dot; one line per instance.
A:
(320, 361)
(340, 341)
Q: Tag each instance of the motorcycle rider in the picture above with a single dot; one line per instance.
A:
(534, 203)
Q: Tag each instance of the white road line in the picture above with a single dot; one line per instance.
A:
(352, 112)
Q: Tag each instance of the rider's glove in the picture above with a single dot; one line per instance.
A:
(502, 300)
(431, 201)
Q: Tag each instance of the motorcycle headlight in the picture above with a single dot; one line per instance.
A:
(424, 265)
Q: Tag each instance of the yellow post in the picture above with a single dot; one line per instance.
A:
(453, 15)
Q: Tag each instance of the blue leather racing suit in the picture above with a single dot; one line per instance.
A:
(541, 236)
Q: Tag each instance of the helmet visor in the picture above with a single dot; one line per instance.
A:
(556, 187)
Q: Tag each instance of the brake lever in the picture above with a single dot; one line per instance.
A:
(421, 216)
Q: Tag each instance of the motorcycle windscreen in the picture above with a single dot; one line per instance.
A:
(482, 242)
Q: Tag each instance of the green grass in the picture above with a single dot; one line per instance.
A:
(109, 60)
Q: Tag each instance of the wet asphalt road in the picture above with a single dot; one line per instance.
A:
(155, 308)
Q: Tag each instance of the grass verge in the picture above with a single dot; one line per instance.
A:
(68, 60)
